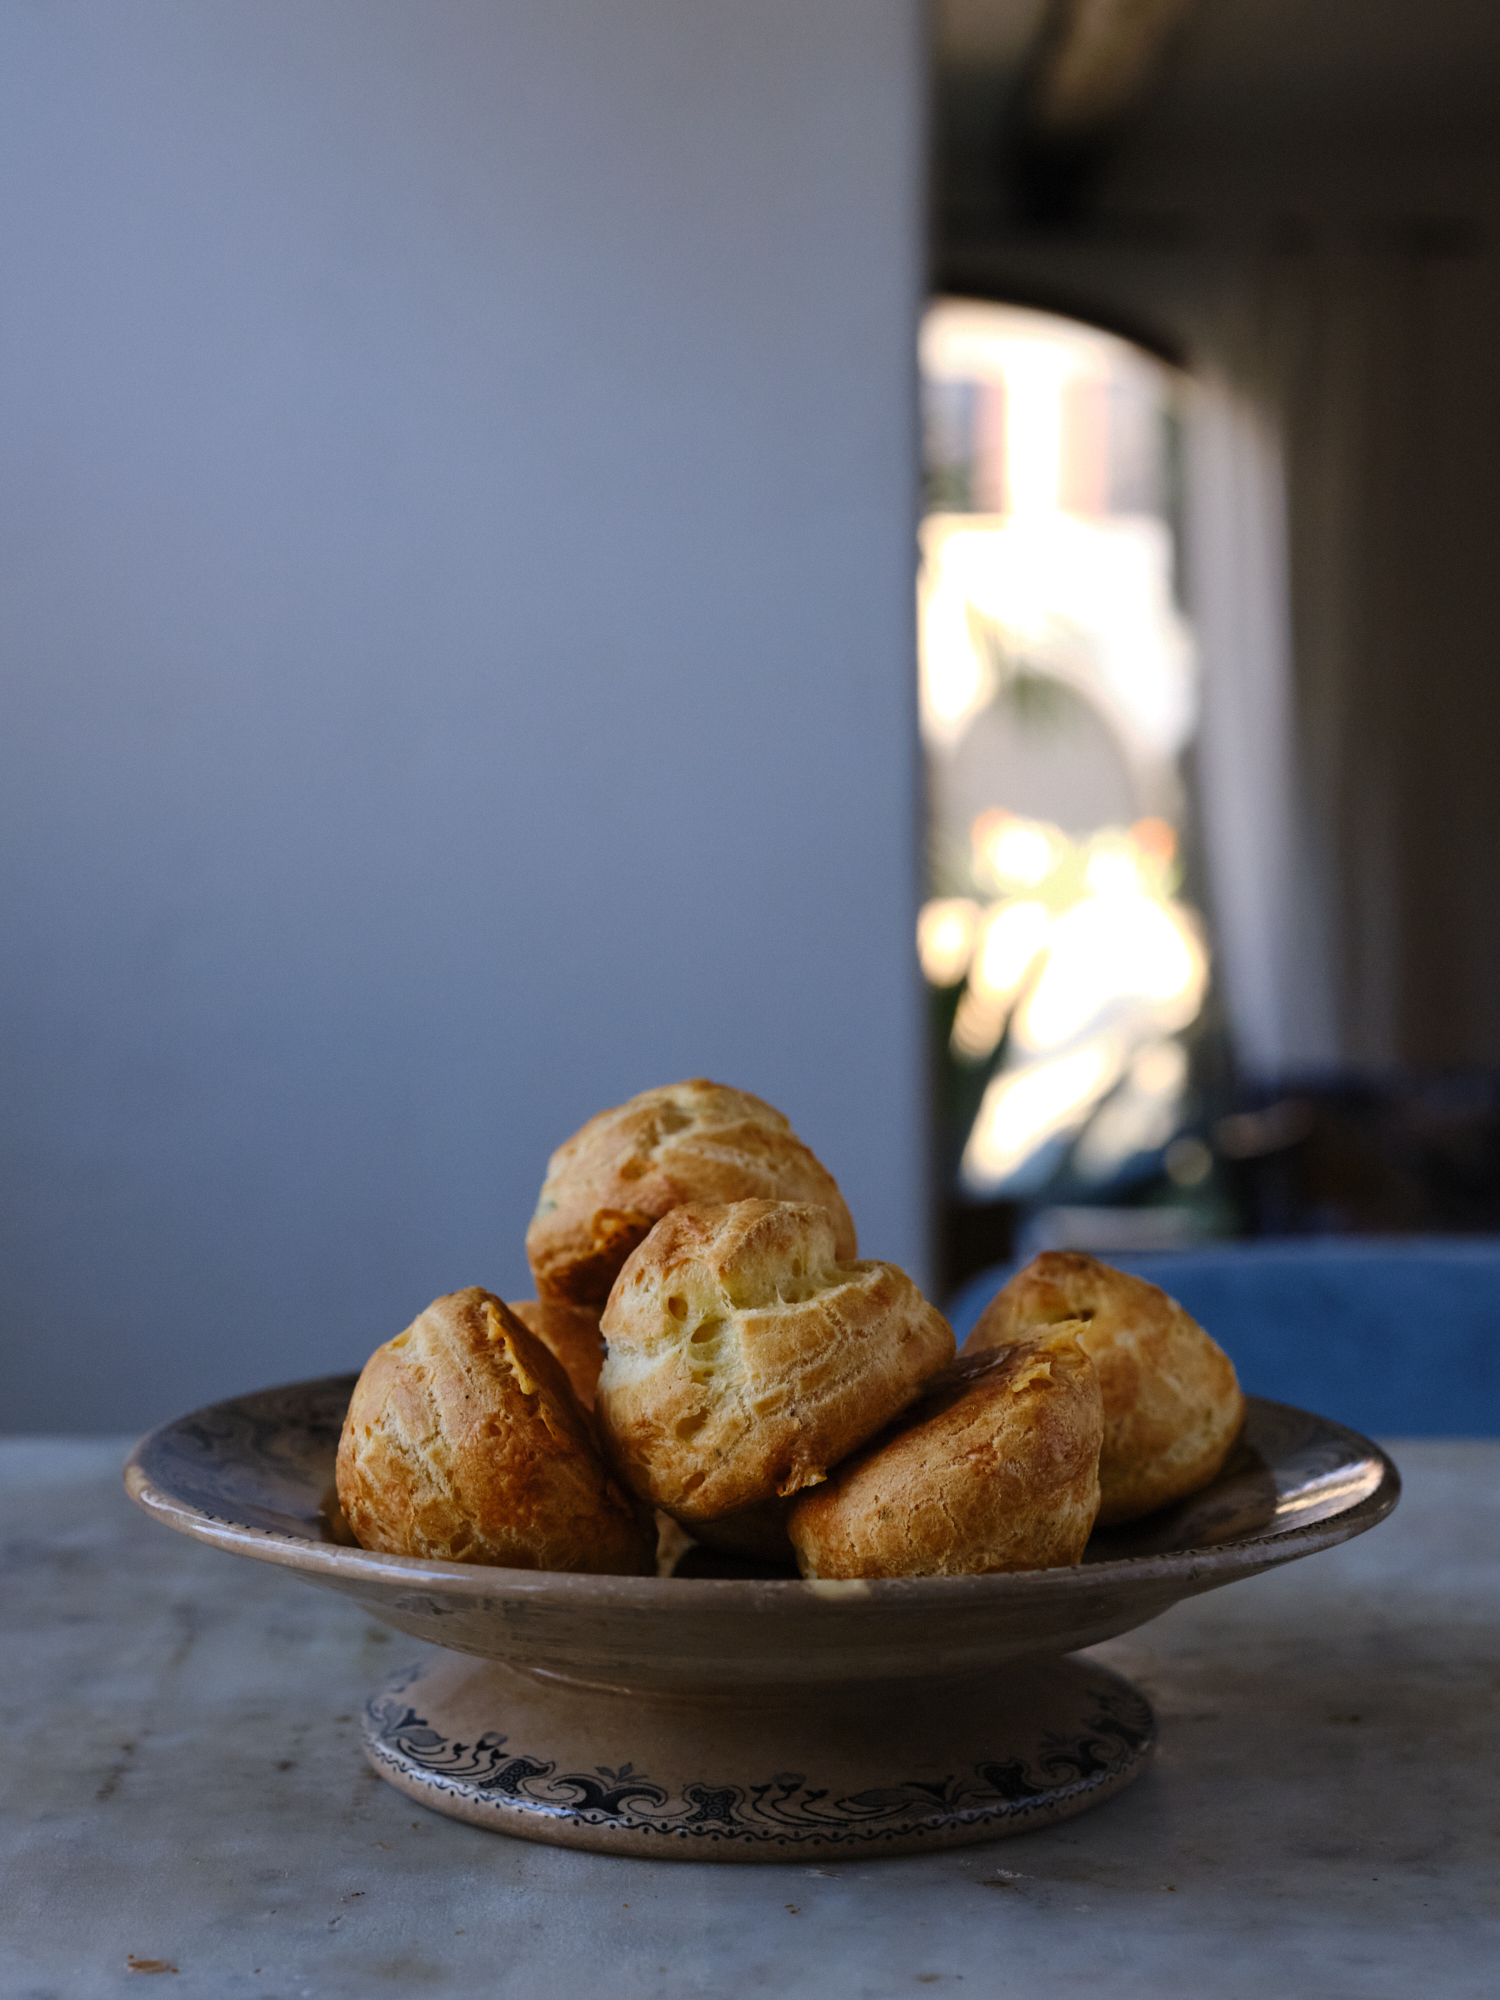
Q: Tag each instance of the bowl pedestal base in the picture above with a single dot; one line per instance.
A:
(768, 1774)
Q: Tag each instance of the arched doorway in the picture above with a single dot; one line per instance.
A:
(1058, 696)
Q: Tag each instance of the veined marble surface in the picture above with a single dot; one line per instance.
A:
(181, 1787)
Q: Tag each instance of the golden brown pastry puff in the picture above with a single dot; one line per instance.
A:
(695, 1141)
(463, 1440)
(1172, 1405)
(571, 1335)
(745, 1358)
(995, 1467)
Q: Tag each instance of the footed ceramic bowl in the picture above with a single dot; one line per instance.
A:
(725, 1712)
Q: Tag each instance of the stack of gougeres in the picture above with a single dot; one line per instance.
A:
(706, 1345)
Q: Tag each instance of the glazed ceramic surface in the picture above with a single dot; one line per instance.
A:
(722, 1713)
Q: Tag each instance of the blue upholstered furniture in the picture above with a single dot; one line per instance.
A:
(1398, 1336)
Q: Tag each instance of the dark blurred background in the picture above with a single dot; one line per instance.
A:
(1292, 210)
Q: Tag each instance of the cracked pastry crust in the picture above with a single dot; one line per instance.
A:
(1172, 1403)
(571, 1335)
(609, 1184)
(464, 1441)
(746, 1358)
(996, 1467)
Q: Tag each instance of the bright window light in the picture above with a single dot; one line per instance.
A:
(1058, 690)
(1025, 1108)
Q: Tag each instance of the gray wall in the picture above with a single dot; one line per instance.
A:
(457, 487)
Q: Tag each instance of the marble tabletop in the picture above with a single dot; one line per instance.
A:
(182, 1797)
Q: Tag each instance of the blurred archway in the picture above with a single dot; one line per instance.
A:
(1058, 695)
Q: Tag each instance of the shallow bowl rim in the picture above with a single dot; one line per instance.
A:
(334, 1562)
